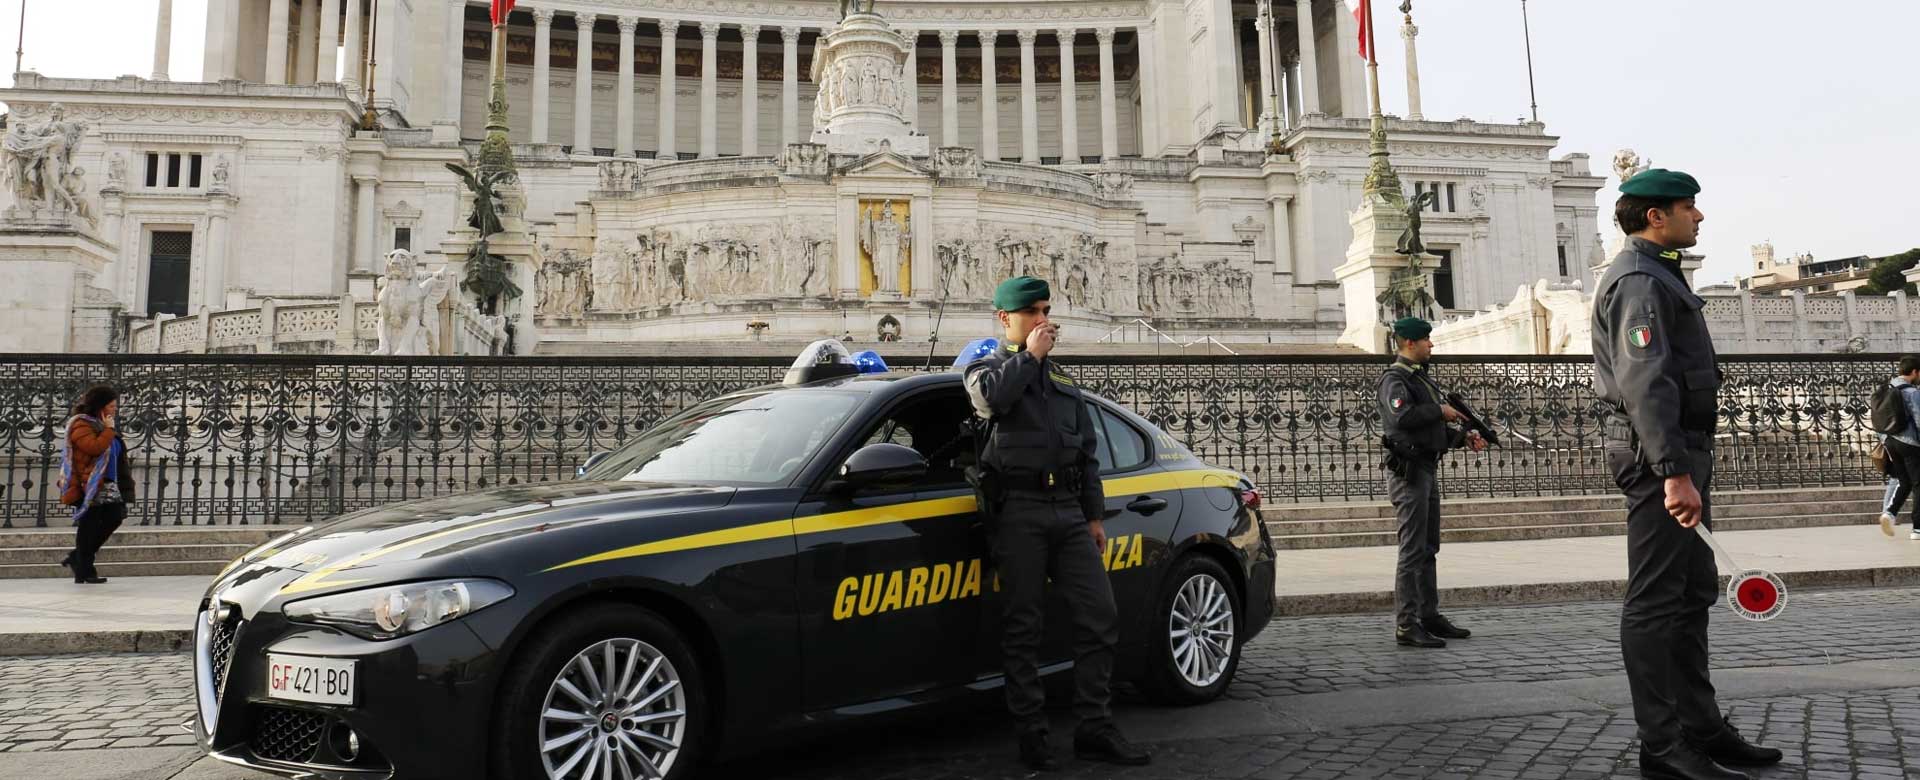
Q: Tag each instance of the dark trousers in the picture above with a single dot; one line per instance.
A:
(1037, 538)
(1903, 460)
(95, 525)
(1672, 584)
(1416, 501)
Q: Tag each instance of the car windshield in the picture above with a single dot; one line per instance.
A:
(759, 439)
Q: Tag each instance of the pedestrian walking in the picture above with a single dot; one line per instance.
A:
(1895, 416)
(1654, 367)
(95, 480)
(1416, 430)
(1043, 482)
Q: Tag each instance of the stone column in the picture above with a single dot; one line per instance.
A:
(454, 64)
(989, 99)
(1293, 90)
(326, 62)
(1309, 65)
(910, 78)
(542, 72)
(1029, 105)
(1152, 136)
(789, 86)
(949, 88)
(1225, 36)
(749, 90)
(354, 75)
(709, 89)
(309, 42)
(1069, 101)
(363, 223)
(277, 11)
(213, 56)
(623, 90)
(583, 84)
(162, 40)
(232, 36)
(213, 287)
(1269, 91)
(1109, 102)
(1409, 32)
(669, 28)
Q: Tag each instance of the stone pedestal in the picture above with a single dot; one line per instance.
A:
(516, 246)
(864, 89)
(47, 266)
(1371, 264)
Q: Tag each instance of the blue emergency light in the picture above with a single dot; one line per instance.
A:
(823, 359)
(869, 362)
(975, 350)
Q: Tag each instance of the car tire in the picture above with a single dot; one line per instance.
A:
(538, 683)
(1183, 673)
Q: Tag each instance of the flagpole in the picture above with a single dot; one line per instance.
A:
(20, 48)
(1381, 179)
(1526, 29)
(496, 151)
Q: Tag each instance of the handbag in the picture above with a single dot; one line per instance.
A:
(1881, 462)
(108, 494)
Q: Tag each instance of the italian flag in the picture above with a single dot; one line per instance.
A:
(1363, 14)
(500, 10)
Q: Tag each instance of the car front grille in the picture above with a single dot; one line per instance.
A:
(220, 653)
(282, 734)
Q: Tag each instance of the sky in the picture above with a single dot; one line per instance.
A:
(1795, 117)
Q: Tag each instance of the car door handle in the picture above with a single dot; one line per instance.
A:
(1146, 505)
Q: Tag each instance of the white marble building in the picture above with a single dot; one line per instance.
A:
(1192, 163)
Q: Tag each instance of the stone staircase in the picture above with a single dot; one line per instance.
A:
(1325, 526)
(134, 551)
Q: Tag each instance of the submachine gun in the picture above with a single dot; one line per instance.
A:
(1475, 422)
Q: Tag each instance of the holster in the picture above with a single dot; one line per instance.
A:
(989, 492)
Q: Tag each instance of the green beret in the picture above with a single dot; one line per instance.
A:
(1411, 328)
(1660, 183)
(1020, 292)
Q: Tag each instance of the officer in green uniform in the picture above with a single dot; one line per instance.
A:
(1040, 456)
(1413, 418)
(1653, 365)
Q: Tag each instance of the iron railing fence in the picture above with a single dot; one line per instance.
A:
(282, 438)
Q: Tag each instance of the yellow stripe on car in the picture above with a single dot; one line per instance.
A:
(1185, 479)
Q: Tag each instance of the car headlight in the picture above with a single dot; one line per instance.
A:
(397, 610)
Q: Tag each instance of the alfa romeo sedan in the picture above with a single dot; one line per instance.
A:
(757, 565)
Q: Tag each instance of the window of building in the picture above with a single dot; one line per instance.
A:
(173, 170)
(1563, 260)
(403, 238)
(1452, 205)
(1443, 278)
(169, 267)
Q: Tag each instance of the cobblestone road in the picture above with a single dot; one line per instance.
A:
(78, 702)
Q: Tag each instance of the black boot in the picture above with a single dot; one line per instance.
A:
(1440, 626)
(1036, 753)
(1103, 742)
(1728, 747)
(1416, 636)
(1682, 761)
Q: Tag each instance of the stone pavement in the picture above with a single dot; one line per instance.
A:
(1537, 693)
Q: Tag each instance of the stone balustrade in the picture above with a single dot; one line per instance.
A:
(341, 326)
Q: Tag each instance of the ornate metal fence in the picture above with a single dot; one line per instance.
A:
(276, 439)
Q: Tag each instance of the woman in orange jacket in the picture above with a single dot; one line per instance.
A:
(96, 483)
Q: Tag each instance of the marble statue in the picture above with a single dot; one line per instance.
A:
(1410, 243)
(116, 170)
(848, 7)
(38, 164)
(887, 241)
(220, 173)
(1627, 164)
(409, 307)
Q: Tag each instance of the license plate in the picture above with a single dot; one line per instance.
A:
(310, 679)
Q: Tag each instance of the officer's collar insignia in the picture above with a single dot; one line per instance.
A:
(1061, 378)
(1671, 254)
(1640, 336)
(1012, 347)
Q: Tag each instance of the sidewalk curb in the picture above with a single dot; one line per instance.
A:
(1562, 592)
(85, 642)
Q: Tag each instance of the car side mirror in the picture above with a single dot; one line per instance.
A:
(883, 466)
(592, 460)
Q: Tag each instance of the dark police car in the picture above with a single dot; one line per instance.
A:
(769, 560)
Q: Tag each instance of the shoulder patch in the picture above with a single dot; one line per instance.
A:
(1640, 336)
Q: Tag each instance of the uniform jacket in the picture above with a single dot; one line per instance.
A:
(1041, 422)
(1653, 358)
(89, 440)
(1410, 411)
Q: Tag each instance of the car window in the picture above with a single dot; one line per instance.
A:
(934, 424)
(760, 439)
(1126, 446)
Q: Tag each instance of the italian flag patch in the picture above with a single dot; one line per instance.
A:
(1640, 336)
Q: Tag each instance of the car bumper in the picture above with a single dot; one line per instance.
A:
(419, 711)
(1261, 599)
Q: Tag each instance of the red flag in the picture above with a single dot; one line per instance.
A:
(1364, 16)
(500, 10)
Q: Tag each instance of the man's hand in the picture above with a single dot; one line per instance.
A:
(1451, 414)
(1683, 501)
(1040, 341)
(1098, 531)
(1475, 442)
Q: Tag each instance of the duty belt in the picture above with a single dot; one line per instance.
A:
(1617, 429)
(1065, 480)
